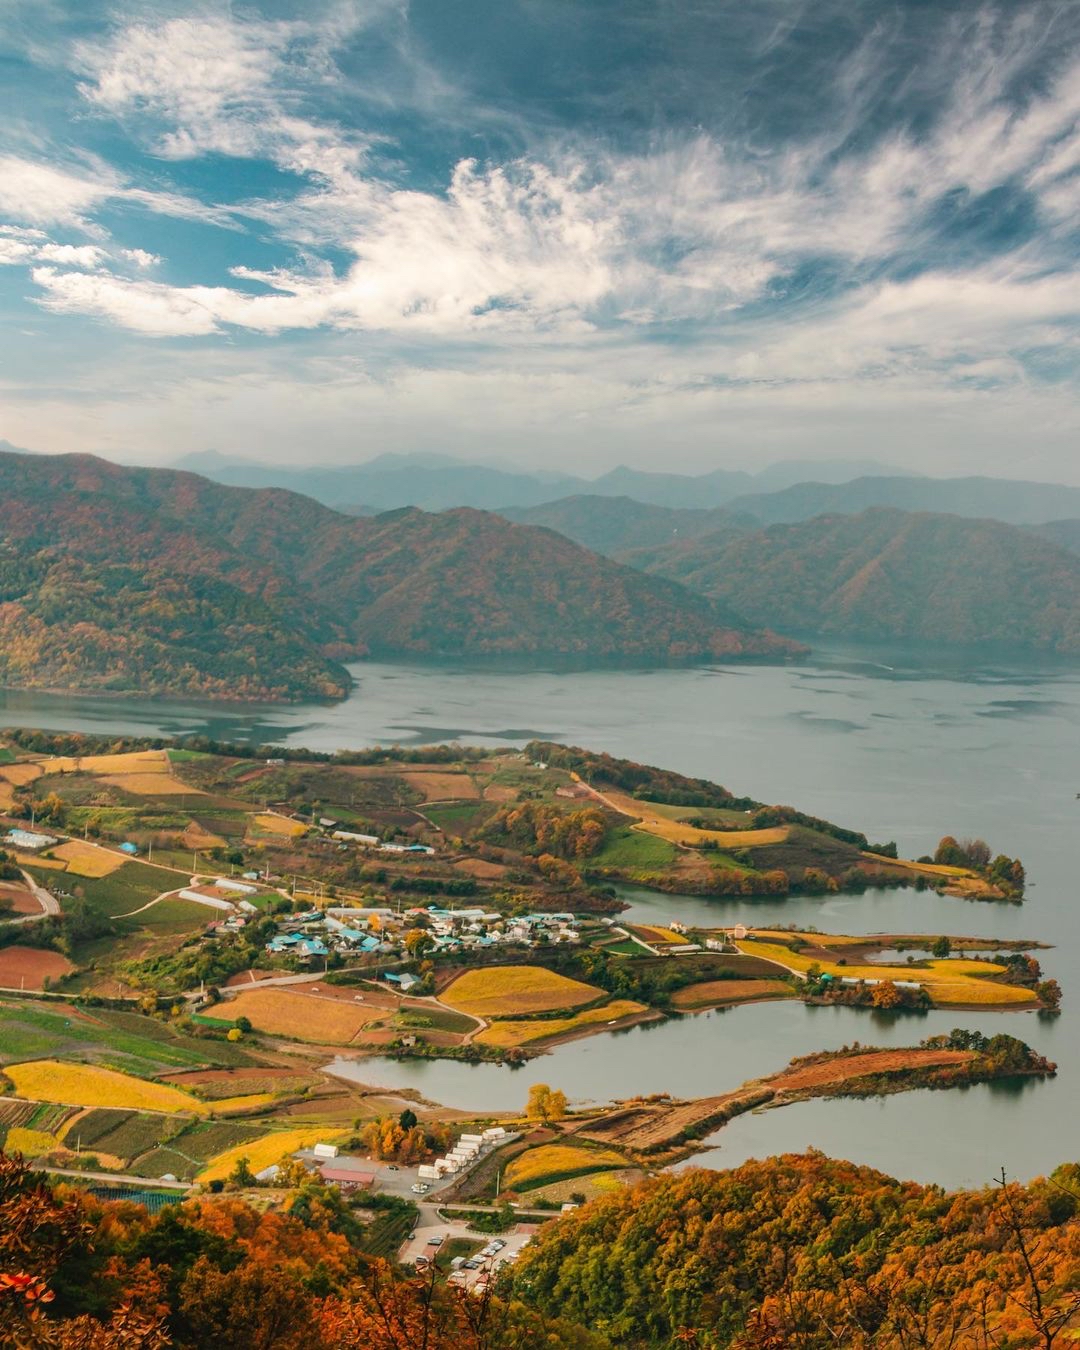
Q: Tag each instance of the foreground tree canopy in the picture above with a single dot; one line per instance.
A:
(794, 1251)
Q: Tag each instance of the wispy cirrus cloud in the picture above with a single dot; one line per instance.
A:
(921, 234)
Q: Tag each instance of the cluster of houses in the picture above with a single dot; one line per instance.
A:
(452, 929)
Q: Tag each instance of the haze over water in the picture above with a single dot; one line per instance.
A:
(901, 748)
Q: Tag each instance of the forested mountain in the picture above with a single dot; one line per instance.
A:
(1064, 533)
(615, 525)
(156, 580)
(886, 574)
(1014, 501)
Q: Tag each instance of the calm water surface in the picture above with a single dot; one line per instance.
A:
(903, 748)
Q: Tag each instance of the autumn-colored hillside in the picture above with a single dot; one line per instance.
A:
(803, 1251)
(888, 574)
(154, 580)
(798, 1251)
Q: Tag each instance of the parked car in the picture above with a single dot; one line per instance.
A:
(497, 1243)
(472, 1264)
(419, 1188)
(434, 1241)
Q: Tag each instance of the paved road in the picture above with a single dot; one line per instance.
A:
(116, 1177)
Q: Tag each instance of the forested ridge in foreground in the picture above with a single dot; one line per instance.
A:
(797, 1251)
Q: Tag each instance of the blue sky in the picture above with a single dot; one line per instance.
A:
(574, 233)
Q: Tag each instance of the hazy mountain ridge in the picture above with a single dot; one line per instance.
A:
(163, 581)
(615, 525)
(439, 482)
(889, 574)
(1014, 501)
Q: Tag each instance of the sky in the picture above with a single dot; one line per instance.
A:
(569, 234)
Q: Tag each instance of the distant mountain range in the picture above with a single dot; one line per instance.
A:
(438, 482)
(887, 574)
(1012, 500)
(161, 581)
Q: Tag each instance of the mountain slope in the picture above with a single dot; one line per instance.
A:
(1015, 502)
(890, 574)
(162, 581)
(615, 525)
(1064, 533)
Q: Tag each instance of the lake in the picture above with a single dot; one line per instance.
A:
(901, 746)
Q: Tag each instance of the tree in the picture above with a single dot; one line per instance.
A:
(418, 941)
(407, 1119)
(242, 1175)
(942, 947)
(1048, 993)
(545, 1103)
(886, 995)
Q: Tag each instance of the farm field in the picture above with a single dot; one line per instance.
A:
(264, 1152)
(87, 860)
(307, 1017)
(503, 991)
(49, 1080)
(30, 1143)
(658, 936)
(714, 993)
(268, 823)
(557, 1162)
(18, 900)
(120, 1134)
(590, 1184)
(635, 850)
(439, 785)
(947, 982)
(30, 967)
(507, 1034)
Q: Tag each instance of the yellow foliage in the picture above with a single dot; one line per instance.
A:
(31, 1143)
(264, 1152)
(505, 990)
(510, 1033)
(225, 1106)
(554, 1160)
(47, 1080)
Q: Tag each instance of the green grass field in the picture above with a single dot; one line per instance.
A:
(451, 815)
(138, 1045)
(635, 851)
(186, 756)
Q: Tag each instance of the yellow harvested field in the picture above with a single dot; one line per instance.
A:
(506, 1035)
(30, 1143)
(676, 832)
(269, 823)
(151, 785)
(7, 796)
(20, 774)
(135, 761)
(713, 993)
(946, 982)
(503, 991)
(88, 861)
(558, 1160)
(231, 1105)
(47, 1080)
(441, 786)
(304, 1017)
(936, 869)
(265, 1152)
